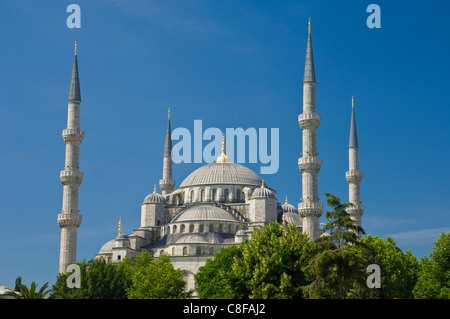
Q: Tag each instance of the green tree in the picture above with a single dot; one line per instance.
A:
(24, 292)
(271, 264)
(334, 266)
(434, 274)
(99, 280)
(399, 271)
(215, 278)
(155, 279)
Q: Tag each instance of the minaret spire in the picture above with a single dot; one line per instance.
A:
(69, 220)
(167, 184)
(310, 209)
(354, 176)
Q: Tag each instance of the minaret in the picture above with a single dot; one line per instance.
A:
(69, 220)
(354, 176)
(310, 209)
(167, 183)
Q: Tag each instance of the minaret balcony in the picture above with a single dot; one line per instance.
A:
(309, 163)
(310, 209)
(354, 176)
(71, 177)
(73, 136)
(355, 210)
(168, 184)
(69, 220)
(309, 121)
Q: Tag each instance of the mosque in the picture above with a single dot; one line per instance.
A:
(217, 205)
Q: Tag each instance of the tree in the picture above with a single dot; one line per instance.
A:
(99, 280)
(31, 293)
(399, 271)
(271, 264)
(155, 279)
(214, 277)
(434, 274)
(334, 266)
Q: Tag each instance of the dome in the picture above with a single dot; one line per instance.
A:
(263, 192)
(204, 213)
(222, 173)
(293, 219)
(288, 208)
(154, 198)
(107, 248)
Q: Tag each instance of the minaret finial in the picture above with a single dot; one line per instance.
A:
(76, 47)
(169, 114)
(353, 101)
(120, 225)
(309, 25)
(223, 158)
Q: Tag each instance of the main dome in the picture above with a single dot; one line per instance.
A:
(222, 173)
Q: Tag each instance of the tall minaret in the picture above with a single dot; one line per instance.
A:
(167, 183)
(69, 220)
(354, 176)
(310, 209)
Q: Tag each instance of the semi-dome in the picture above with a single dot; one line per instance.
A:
(107, 247)
(203, 213)
(293, 219)
(222, 173)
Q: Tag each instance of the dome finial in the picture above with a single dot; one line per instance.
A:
(262, 185)
(154, 189)
(286, 200)
(120, 225)
(223, 158)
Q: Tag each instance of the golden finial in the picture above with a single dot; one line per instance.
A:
(353, 101)
(286, 200)
(154, 189)
(223, 158)
(169, 113)
(76, 47)
(262, 185)
(309, 25)
(120, 225)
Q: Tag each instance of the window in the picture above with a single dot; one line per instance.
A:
(214, 192)
(182, 227)
(200, 228)
(202, 196)
(185, 251)
(225, 195)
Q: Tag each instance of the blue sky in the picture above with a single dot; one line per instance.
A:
(230, 64)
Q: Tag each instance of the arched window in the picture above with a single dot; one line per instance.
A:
(220, 228)
(214, 193)
(198, 250)
(182, 227)
(192, 196)
(229, 228)
(225, 195)
(211, 228)
(191, 228)
(202, 196)
(174, 229)
(185, 251)
(168, 229)
(173, 251)
(200, 229)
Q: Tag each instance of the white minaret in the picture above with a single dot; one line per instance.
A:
(354, 176)
(69, 220)
(167, 183)
(310, 209)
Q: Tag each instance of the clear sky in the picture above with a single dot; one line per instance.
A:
(230, 64)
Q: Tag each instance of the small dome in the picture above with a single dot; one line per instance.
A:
(263, 192)
(293, 219)
(107, 248)
(203, 213)
(154, 198)
(288, 208)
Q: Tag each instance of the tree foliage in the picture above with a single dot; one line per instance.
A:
(155, 279)
(434, 274)
(22, 291)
